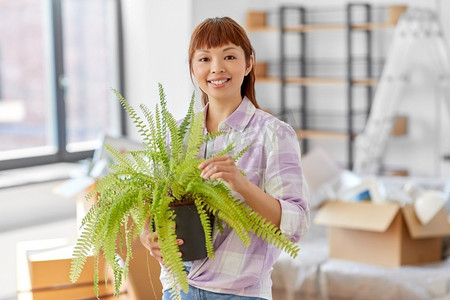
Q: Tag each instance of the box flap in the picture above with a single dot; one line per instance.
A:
(357, 215)
(438, 226)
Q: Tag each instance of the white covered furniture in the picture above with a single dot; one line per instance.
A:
(313, 276)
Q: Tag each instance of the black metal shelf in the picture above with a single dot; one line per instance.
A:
(302, 62)
(355, 71)
(330, 16)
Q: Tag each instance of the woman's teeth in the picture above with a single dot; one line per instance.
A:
(218, 81)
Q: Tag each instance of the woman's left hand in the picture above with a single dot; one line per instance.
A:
(223, 167)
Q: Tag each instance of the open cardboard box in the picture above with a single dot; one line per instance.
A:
(43, 268)
(382, 234)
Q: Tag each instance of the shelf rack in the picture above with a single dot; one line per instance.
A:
(257, 22)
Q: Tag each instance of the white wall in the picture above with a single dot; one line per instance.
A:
(157, 36)
(33, 204)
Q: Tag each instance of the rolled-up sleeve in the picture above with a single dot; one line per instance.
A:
(284, 180)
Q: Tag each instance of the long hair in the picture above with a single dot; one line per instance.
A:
(216, 32)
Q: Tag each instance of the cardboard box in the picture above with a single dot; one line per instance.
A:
(261, 69)
(78, 292)
(382, 234)
(256, 19)
(43, 268)
(394, 13)
(143, 275)
(58, 261)
(400, 126)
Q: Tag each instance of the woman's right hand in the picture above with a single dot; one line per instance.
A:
(149, 240)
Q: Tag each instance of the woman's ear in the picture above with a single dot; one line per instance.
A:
(249, 65)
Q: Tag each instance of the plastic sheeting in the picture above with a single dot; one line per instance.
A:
(298, 278)
(348, 280)
(312, 276)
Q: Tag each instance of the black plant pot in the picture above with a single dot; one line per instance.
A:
(190, 230)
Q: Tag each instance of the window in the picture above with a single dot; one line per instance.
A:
(58, 61)
(24, 66)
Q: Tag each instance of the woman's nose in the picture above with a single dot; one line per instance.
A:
(217, 66)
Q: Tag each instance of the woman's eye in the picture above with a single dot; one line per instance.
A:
(203, 59)
(230, 57)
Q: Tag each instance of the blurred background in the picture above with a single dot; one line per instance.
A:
(59, 60)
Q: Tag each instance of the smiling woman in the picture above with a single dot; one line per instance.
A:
(221, 61)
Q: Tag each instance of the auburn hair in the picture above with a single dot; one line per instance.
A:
(216, 32)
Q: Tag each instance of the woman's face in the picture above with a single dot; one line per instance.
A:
(220, 71)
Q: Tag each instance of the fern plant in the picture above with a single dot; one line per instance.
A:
(145, 184)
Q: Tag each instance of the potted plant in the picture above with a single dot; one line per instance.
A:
(155, 184)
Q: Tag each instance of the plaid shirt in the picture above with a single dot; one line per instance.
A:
(273, 164)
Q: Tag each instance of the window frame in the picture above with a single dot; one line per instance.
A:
(58, 89)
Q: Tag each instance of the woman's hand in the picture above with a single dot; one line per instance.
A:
(149, 240)
(223, 167)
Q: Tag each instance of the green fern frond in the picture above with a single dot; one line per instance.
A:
(219, 226)
(195, 137)
(187, 171)
(225, 151)
(81, 251)
(241, 153)
(138, 122)
(163, 106)
(165, 224)
(176, 143)
(90, 215)
(214, 204)
(187, 119)
(128, 242)
(270, 233)
(119, 157)
(96, 279)
(212, 135)
(161, 140)
(118, 210)
(152, 126)
(205, 220)
(141, 165)
(118, 274)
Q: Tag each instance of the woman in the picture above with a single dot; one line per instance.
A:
(221, 60)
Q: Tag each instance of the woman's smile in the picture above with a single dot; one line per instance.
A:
(219, 82)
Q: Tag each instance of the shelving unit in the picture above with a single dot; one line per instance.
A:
(257, 22)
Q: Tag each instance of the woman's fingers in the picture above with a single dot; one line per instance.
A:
(215, 165)
(217, 171)
(150, 241)
(154, 246)
(223, 167)
(155, 250)
(213, 160)
(148, 238)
